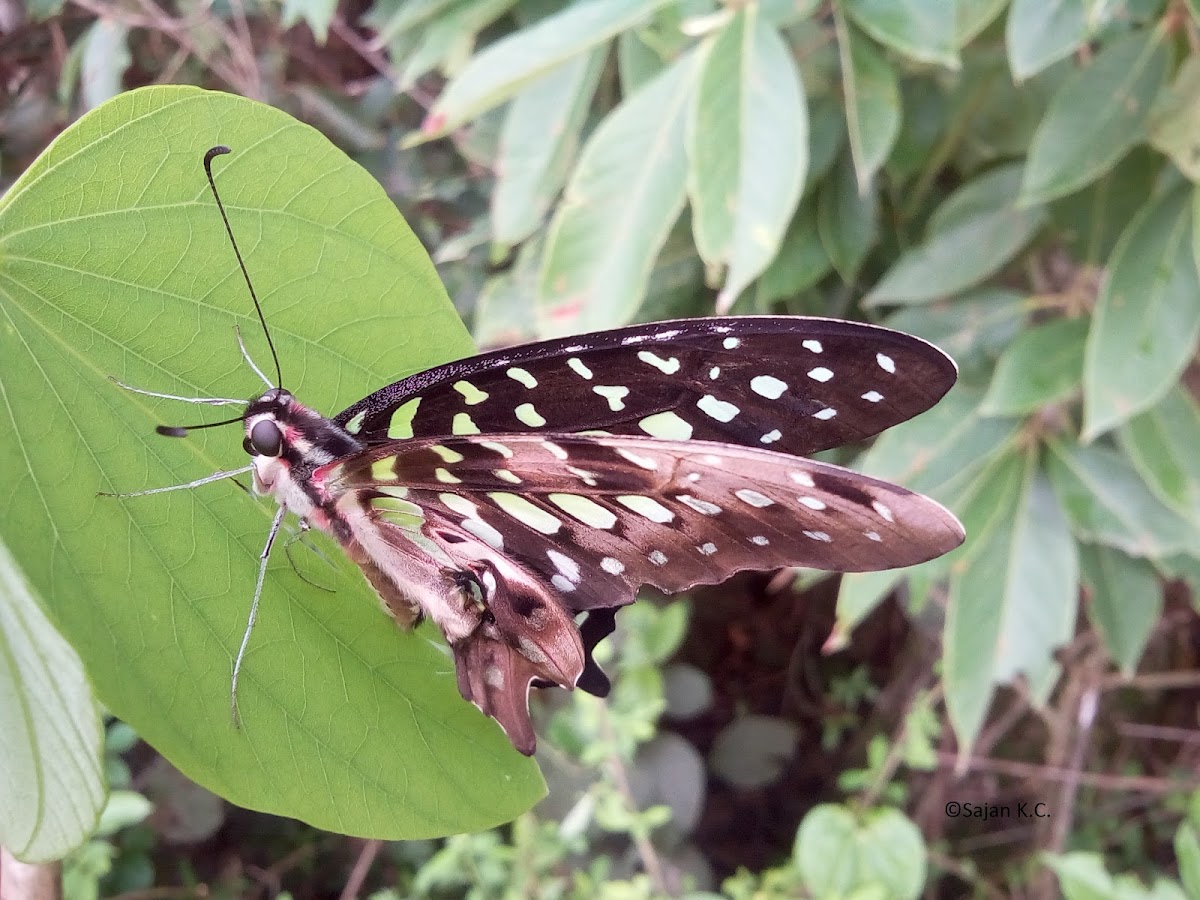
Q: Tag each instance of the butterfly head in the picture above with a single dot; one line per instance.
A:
(285, 437)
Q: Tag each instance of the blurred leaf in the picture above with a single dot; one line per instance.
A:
(919, 29)
(139, 282)
(124, 808)
(751, 751)
(1162, 445)
(449, 39)
(1081, 876)
(1147, 316)
(973, 17)
(1043, 365)
(1041, 32)
(975, 232)
(872, 98)
(840, 850)
(1013, 593)
(973, 328)
(676, 288)
(859, 593)
(1090, 222)
(1175, 120)
(668, 770)
(51, 739)
(637, 63)
(826, 131)
(105, 59)
(623, 197)
(389, 20)
(847, 221)
(539, 143)
(504, 313)
(1096, 116)
(507, 66)
(747, 150)
(1126, 601)
(1109, 504)
(800, 263)
(317, 14)
(924, 118)
(1187, 853)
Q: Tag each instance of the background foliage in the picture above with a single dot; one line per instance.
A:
(1013, 181)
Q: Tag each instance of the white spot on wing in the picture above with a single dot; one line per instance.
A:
(612, 566)
(445, 477)
(488, 535)
(585, 510)
(505, 475)
(754, 498)
(562, 583)
(643, 462)
(814, 346)
(520, 375)
(708, 549)
(717, 409)
(819, 536)
(666, 366)
(886, 363)
(732, 343)
(667, 426)
(882, 510)
(526, 513)
(666, 335)
(564, 564)
(496, 447)
(768, 386)
(812, 502)
(700, 506)
(658, 557)
(872, 396)
(529, 416)
(614, 394)
(579, 367)
(557, 451)
(873, 535)
(824, 414)
(820, 373)
(714, 373)
(759, 540)
(771, 436)
(647, 508)
(802, 478)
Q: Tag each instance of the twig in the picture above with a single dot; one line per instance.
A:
(362, 866)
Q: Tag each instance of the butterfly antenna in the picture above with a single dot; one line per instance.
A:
(212, 153)
(182, 430)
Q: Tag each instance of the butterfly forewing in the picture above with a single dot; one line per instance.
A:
(792, 384)
(596, 517)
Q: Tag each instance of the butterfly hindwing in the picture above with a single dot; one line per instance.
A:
(787, 383)
(596, 517)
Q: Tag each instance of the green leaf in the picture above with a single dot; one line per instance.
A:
(1081, 876)
(919, 29)
(1096, 116)
(405, 16)
(105, 59)
(618, 209)
(347, 723)
(840, 850)
(801, 262)
(1161, 443)
(513, 62)
(859, 593)
(872, 96)
(975, 232)
(637, 62)
(1013, 594)
(747, 149)
(51, 739)
(847, 221)
(538, 143)
(317, 14)
(1040, 32)
(124, 808)
(1109, 504)
(1187, 852)
(449, 39)
(1126, 601)
(973, 17)
(1043, 365)
(1147, 316)
(1175, 120)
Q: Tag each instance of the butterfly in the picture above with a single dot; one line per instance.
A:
(507, 495)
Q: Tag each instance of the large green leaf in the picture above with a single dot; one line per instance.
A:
(1126, 601)
(1042, 366)
(1175, 120)
(1013, 597)
(113, 262)
(843, 852)
(51, 739)
(618, 209)
(1096, 116)
(1041, 32)
(747, 149)
(1147, 317)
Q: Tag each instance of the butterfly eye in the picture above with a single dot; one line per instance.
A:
(265, 439)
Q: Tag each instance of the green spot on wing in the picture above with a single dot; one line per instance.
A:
(401, 424)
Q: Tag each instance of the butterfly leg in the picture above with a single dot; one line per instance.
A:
(263, 558)
(208, 479)
(208, 401)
